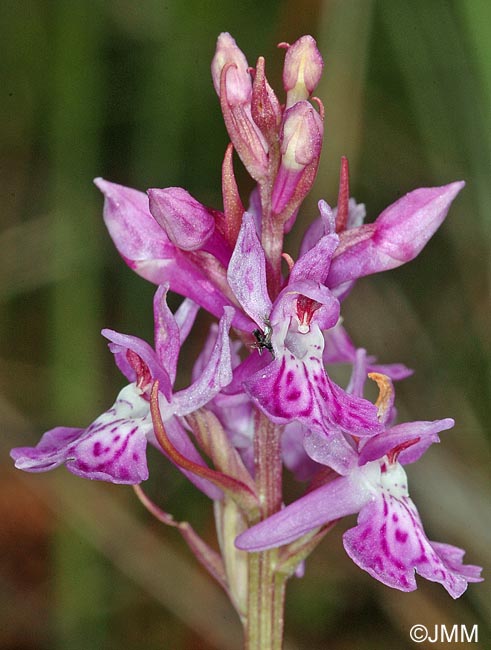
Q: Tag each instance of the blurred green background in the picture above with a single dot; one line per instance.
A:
(122, 90)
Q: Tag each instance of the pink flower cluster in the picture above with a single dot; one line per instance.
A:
(278, 332)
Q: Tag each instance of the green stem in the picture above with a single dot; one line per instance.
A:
(266, 588)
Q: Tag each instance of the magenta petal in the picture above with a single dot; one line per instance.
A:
(206, 352)
(453, 556)
(251, 364)
(286, 182)
(148, 251)
(239, 83)
(294, 455)
(338, 346)
(337, 499)
(324, 316)
(358, 374)
(395, 371)
(185, 317)
(119, 346)
(111, 449)
(187, 277)
(405, 227)
(247, 273)
(427, 432)
(255, 208)
(215, 375)
(298, 389)
(167, 335)
(340, 349)
(188, 224)
(135, 232)
(325, 224)
(352, 414)
(49, 453)
(332, 450)
(315, 263)
(397, 236)
(390, 544)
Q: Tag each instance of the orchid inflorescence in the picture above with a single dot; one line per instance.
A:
(260, 397)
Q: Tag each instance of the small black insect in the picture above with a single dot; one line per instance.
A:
(263, 338)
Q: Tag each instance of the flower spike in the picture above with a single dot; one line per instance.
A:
(261, 395)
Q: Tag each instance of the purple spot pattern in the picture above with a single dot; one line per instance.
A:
(97, 452)
(290, 389)
(390, 544)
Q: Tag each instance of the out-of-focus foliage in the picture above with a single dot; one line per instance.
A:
(122, 90)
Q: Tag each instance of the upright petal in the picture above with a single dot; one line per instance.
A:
(185, 316)
(216, 374)
(247, 273)
(325, 224)
(167, 336)
(314, 264)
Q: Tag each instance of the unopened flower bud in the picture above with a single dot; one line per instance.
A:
(301, 143)
(188, 224)
(238, 80)
(233, 85)
(301, 136)
(302, 69)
